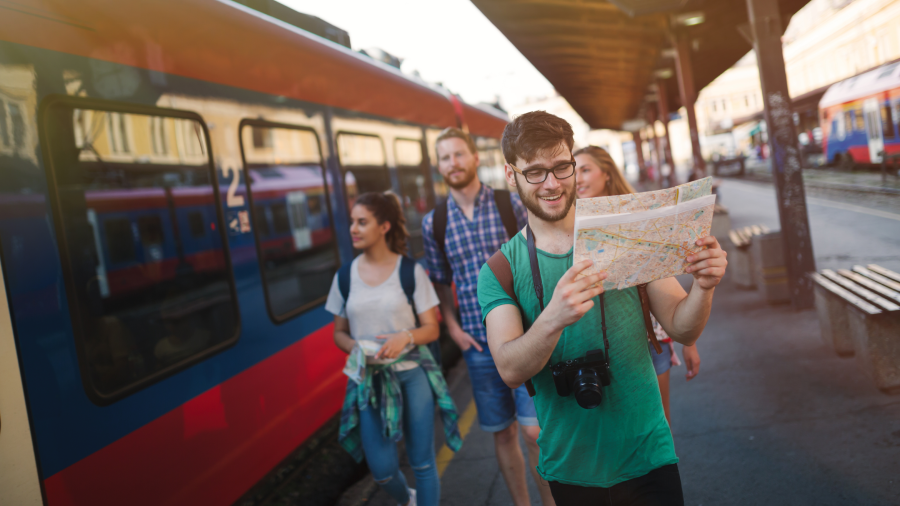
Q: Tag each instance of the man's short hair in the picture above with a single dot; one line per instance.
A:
(453, 132)
(529, 134)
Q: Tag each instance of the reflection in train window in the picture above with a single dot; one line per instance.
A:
(363, 164)
(119, 240)
(197, 224)
(147, 296)
(294, 234)
(416, 198)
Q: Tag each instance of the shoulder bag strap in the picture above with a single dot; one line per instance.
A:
(499, 265)
(507, 213)
(439, 225)
(645, 308)
(344, 281)
(408, 279)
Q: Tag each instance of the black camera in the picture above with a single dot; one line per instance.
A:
(585, 377)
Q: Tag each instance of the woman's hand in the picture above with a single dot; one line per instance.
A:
(394, 345)
(708, 265)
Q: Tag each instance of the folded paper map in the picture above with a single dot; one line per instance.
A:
(642, 237)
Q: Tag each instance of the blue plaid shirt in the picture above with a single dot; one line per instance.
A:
(468, 245)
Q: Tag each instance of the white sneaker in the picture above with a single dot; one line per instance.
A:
(412, 497)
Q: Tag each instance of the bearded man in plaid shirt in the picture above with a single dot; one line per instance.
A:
(474, 231)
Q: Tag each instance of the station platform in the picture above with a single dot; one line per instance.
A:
(774, 417)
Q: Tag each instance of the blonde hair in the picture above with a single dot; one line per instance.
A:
(456, 133)
(617, 185)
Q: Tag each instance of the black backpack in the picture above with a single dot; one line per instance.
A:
(407, 281)
(507, 216)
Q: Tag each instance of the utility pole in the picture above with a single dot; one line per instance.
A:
(765, 26)
(688, 90)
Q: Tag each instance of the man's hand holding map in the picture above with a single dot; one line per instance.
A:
(642, 237)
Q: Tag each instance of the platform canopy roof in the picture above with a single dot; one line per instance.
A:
(603, 56)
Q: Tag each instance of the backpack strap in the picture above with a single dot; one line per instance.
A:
(507, 213)
(499, 265)
(645, 308)
(344, 281)
(408, 278)
(439, 225)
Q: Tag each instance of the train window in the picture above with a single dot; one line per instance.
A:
(416, 198)
(363, 165)
(408, 152)
(490, 168)
(147, 298)
(848, 121)
(295, 237)
(860, 125)
(887, 121)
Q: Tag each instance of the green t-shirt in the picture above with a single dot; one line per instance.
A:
(627, 436)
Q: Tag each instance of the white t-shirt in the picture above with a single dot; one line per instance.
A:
(382, 309)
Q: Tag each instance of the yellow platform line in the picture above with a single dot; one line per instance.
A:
(465, 423)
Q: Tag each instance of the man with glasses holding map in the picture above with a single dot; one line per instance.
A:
(575, 331)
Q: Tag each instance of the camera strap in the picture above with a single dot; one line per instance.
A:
(539, 291)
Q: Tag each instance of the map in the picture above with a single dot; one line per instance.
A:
(642, 237)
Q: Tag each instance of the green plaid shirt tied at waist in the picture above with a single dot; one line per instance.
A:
(363, 395)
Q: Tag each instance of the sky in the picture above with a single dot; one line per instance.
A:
(450, 42)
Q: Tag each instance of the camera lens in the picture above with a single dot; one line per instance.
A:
(587, 388)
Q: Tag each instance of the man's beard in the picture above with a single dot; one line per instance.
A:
(533, 203)
(471, 174)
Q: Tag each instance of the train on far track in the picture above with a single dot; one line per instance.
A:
(860, 117)
(174, 202)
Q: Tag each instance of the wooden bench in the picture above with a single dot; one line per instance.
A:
(859, 315)
(740, 261)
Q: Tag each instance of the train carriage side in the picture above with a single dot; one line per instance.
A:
(860, 117)
(169, 228)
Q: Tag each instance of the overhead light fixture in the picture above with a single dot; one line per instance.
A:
(663, 73)
(689, 18)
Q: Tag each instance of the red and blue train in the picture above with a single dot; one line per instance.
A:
(859, 117)
(175, 179)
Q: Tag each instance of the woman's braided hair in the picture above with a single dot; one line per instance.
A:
(386, 208)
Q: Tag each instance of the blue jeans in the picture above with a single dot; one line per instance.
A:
(498, 405)
(418, 431)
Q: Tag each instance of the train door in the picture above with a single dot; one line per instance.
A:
(19, 479)
(872, 113)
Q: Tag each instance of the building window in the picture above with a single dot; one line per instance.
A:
(158, 136)
(294, 230)
(4, 127)
(146, 299)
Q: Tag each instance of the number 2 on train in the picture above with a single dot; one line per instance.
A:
(232, 200)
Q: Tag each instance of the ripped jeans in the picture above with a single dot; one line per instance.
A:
(418, 432)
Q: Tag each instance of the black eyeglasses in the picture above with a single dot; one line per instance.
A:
(538, 175)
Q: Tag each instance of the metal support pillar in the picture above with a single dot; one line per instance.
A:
(654, 146)
(663, 104)
(688, 96)
(765, 25)
(639, 151)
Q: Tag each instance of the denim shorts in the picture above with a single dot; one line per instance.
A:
(498, 405)
(662, 362)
